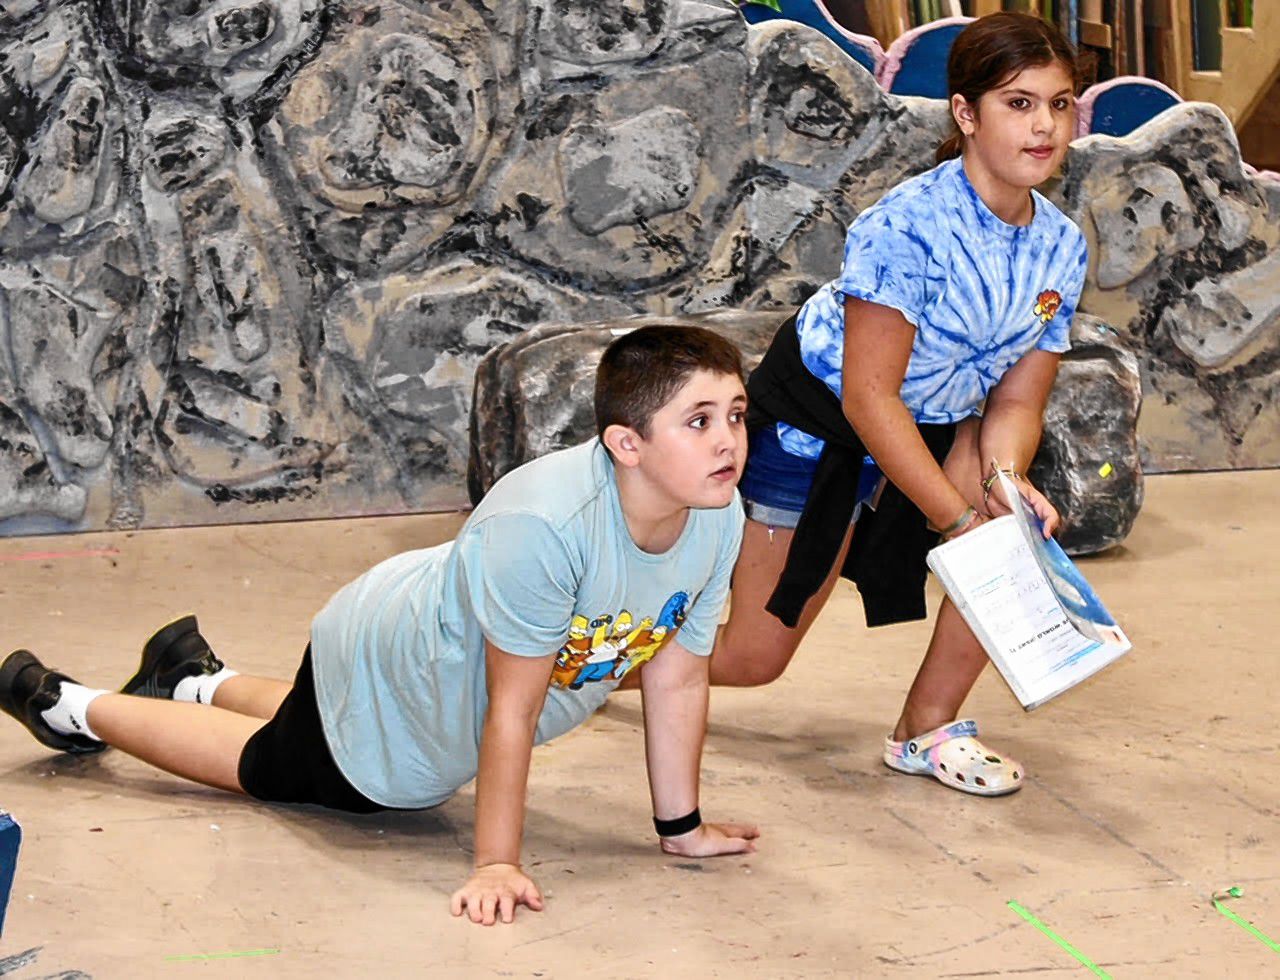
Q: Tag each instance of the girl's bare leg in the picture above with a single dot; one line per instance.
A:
(753, 647)
(950, 668)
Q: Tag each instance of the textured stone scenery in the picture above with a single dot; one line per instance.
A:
(533, 396)
(1185, 262)
(1088, 463)
(252, 251)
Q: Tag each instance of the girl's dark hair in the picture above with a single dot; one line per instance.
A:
(993, 49)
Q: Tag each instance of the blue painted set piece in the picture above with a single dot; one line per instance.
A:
(10, 838)
(923, 69)
(806, 12)
(1125, 106)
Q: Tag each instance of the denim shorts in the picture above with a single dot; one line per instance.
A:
(775, 483)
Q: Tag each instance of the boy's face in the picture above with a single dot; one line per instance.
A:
(697, 442)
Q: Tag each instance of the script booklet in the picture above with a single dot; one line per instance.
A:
(1041, 623)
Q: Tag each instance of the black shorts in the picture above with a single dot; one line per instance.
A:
(288, 760)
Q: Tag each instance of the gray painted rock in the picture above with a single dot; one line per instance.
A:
(1088, 463)
(71, 266)
(828, 142)
(534, 396)
(27, 483)
(384, 141)
(626, 183)
(410, 344)
(1186, 265)
(252, 251)
(232, 376)
(234, 46)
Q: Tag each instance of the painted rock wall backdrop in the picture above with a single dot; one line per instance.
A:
(251, 251)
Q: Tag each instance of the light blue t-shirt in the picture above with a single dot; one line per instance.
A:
(981, 293)
(545, 564)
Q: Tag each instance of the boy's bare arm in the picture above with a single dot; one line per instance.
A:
(517, 688)
(674, 688)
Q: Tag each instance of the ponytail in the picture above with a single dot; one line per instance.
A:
(950, 148)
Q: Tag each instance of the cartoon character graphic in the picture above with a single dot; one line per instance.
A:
(643, 649)
(605, 648)
(574, 653)
(605, 651)
(1047, 305)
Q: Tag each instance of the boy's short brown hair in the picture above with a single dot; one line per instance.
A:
(642, 370)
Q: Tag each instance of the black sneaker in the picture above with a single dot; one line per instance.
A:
(176, 651)
(28, 687)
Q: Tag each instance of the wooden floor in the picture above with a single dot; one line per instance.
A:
(1150, 787)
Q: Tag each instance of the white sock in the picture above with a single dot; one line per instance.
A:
(70, 716)
(199, 689)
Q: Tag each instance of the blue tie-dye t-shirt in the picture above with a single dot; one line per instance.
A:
(980, 292)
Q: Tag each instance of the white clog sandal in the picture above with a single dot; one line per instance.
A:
(953, 755)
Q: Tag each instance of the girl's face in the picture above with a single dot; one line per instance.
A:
(1020, 131)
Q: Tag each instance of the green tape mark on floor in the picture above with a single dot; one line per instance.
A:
(1248, 927)
(226, 956)
(1099, 971)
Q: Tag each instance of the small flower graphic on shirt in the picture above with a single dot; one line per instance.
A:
(1047, 305)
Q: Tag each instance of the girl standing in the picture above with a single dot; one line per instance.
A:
(903, 385)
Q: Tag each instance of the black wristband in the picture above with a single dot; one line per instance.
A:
(678, 826)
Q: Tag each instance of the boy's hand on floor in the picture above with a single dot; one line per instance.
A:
(712, 839)
(493, 892)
